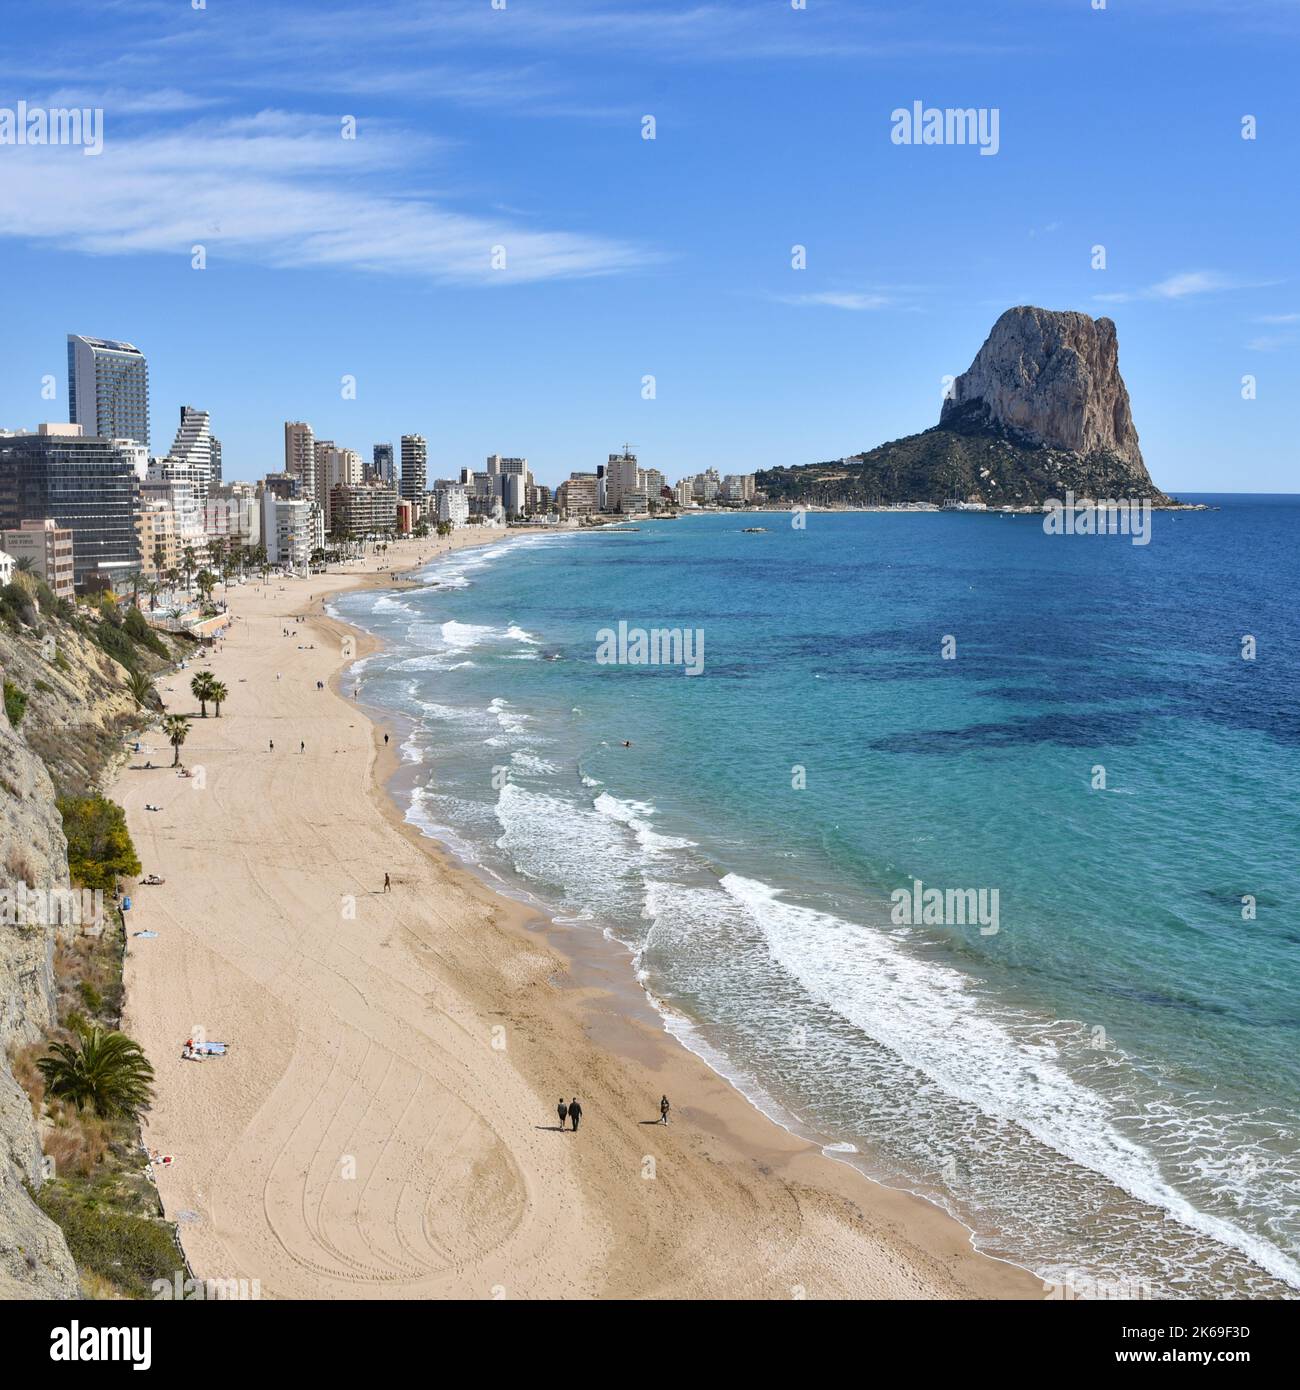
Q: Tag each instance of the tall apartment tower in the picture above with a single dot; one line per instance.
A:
(108, 389)
(300, 457)
(415, 467)
(383, 464)
(214, 470)
(620, 477)
(320, 487)
(192, 450)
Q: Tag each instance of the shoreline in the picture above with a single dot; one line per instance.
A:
(737, 1207)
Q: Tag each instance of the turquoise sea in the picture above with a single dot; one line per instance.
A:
(1107, 1087)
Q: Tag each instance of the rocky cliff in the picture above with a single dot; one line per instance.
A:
(34, 1260)
(77, 710)
(1052, 379)
(1041, 410)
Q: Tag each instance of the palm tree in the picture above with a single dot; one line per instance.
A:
(217, 693)
(177, 729)
(201, 689)
(140, 686)
(23, 564)
(188, 565)
(153, 588)
(106, 1070)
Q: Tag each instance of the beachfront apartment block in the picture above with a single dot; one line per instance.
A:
(108, 389)
(288, 531)
(362, 509)
(335, 467)
(49, 547)
(85, 483)
(621, 474)
(300, 456)
(160, 548)
(415, 463)
(234, 514)
(452, 501)
(181, 486)
(578, 495)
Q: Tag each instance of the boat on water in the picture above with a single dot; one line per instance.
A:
(754, 530)
(953, 504)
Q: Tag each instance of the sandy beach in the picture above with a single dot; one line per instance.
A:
(384, 1125)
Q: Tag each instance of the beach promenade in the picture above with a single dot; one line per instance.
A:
(384, 1123)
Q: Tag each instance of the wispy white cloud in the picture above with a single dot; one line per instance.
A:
(285, 191)
(855, 300)
(1271, 342)
(1185, 285)
(127, 101)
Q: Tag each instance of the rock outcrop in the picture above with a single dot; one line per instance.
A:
(34, 1260)
(1051, 379)
(1041, 411)
(76, 714)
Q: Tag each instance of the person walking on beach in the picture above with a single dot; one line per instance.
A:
(272, 745)
(302, 747)
(663, 1110)
(562, 1111)
(575, 1113)
(388, 884)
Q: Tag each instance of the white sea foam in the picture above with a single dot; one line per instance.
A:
(636, 816)
(927, 1014)
(530, 762)
(388, 603)
(419, 814)
(513, 721)
(553, 840)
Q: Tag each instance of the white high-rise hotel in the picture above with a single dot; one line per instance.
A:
(108, 388)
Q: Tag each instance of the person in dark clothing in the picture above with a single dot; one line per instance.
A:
(663, 1110)
(562, 1111)
(575, 1112)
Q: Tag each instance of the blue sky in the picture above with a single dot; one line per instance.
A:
(479, 127)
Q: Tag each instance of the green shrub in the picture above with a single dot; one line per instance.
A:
(15, 703)
(137, 628)
(99, 845)
(16, 606)
(131, 1251)
(117, 644)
